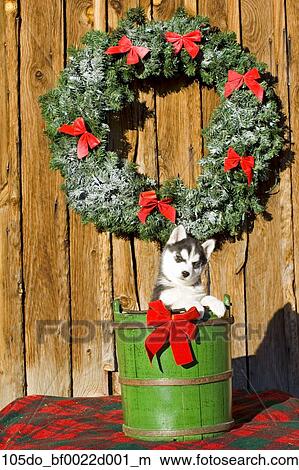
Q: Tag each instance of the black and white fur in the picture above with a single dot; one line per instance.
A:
(178, 283)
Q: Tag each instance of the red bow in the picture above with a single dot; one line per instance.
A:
(176, 329)
(86, 140)
(233, 159)
(236, 80)
(148, 201)
(187, 40)
(125, 45)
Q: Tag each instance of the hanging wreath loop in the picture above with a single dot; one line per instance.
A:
(242, 139)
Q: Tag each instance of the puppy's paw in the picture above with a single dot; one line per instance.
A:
(218, 308)
(215, 305)
(189, 304)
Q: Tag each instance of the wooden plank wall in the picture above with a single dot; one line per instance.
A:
(57, 275)
(12, 376)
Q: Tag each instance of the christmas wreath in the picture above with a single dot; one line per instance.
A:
(242, 138)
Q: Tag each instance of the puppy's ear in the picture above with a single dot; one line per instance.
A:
(209, 247)
(178, 234)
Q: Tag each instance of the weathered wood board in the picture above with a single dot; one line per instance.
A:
(90, 270)
(227, 265)
(290, 197)
(269, 272)
(44, 216)
(12, 377)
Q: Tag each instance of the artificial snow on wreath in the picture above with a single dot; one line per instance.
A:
(242, 138)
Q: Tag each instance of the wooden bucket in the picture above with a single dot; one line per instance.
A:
(167, 402)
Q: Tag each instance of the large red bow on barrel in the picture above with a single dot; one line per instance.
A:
(236, 80)
(176, 330)
(148, 201)
(233, 159)
(125, 45)
(187, 40)
(86, 140)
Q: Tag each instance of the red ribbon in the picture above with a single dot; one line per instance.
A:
(148, 201)
(236, 80)
(187, 40)
(134, 52)
(177, 330)
(87, 140)
(233, 159)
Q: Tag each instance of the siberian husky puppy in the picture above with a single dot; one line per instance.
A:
(178, 283)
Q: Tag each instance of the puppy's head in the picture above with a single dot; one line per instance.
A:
(184, 258)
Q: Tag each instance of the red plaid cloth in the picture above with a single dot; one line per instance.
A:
(269, 420)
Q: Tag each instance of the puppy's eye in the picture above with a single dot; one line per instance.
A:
(196, 264)
(179, 259)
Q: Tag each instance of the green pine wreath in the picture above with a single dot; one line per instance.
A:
(105, 188)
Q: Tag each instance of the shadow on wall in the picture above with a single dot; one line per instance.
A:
(134, 115)
(275, 365)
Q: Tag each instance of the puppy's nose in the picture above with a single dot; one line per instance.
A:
(185, 273)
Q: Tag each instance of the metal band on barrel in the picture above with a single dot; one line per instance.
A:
(137, 432)
(167, 382)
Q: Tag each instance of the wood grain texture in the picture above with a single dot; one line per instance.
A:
(45, 230)
(117, 9)
(116, 387)
(12, 378)
(79, 19)
(139, 259)
(90, 266)
(164, 9)
(178, 116)
(108, 348)
(91, 277)
(124, 280)
(267, 287)
(124, 139)
(100, 15)
(91, 289)
(290, 201)
(227, 265)
(147, 254)
(222, 13)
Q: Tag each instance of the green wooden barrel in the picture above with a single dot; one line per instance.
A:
(167, 402)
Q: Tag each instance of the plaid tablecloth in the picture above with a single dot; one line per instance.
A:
(269, 420)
